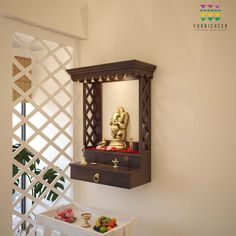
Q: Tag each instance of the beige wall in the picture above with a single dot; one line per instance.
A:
(193, 188)
(67, 17)
(5, 132)
(126, 95)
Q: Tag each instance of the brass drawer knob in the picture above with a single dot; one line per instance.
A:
(96, 178)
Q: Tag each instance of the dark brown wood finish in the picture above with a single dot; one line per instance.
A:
(144, 114)
(92, 113)
(125, 159)
(125, 177)
(124, 70)
(134, 168)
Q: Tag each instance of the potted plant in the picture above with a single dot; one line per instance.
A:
(25, 156)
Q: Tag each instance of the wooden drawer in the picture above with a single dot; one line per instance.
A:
(124, 177)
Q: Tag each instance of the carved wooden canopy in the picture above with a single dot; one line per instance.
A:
(139, 164)
(111, 72)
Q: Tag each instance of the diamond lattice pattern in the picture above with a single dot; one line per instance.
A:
(145, 101)
(42, 131)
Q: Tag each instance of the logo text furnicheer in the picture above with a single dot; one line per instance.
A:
(210, 18)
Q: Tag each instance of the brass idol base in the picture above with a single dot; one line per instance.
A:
(118, 144)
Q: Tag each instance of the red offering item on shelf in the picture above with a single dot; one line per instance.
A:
(65, 214)
(113, 149)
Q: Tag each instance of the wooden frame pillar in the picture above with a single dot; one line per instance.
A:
(92, 113)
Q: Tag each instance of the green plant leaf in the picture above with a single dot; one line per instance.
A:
(37, 188)
(52, 196)
(62, 179)
(59, 185)
(23, 157)
(37, 171)
(15, 170)
(50, 175)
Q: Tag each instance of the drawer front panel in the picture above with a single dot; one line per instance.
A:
(101, 177)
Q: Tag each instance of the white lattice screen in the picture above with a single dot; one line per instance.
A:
(42, 127)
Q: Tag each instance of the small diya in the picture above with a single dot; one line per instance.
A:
(86, 217)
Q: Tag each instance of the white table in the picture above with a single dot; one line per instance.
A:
(126, 225)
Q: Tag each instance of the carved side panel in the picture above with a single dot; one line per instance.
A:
(92, 106)
(144, 114)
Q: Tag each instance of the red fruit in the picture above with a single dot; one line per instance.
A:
(111, 224)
